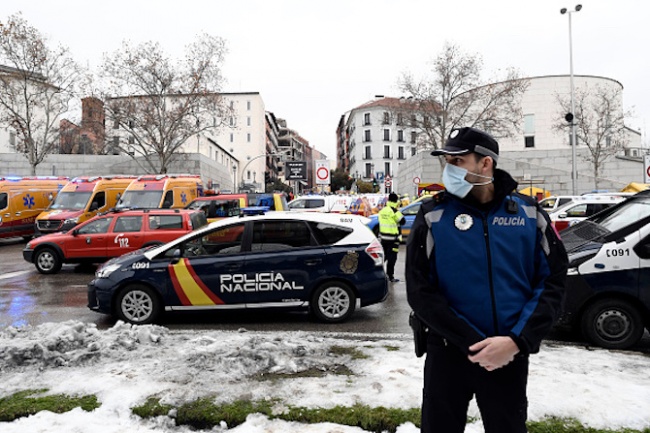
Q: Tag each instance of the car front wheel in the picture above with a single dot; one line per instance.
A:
(138, 304)
(612, 324)
(47, 261)
(333, 302)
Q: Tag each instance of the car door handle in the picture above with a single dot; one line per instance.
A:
(312, 262)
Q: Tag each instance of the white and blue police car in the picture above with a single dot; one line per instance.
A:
(323, 263)
(607, 293)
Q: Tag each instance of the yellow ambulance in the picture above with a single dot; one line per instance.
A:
(22, 199)
(161, 191)
(81, 199)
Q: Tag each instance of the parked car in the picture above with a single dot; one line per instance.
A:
(409, 211)
(321, 203)
(110, 235)
(552, 203)
(323, 263)
(581, 208)
(608, 285)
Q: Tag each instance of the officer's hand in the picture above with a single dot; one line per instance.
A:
(493, 352)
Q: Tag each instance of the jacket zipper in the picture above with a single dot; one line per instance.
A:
(486, 236)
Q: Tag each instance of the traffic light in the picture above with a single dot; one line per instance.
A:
(569, 117)
(267, 177)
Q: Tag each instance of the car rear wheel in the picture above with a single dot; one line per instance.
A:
(333, 302)
(612, 324)
(138, 304)
(47, 261)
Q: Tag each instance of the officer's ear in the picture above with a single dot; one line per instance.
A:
(487, 164)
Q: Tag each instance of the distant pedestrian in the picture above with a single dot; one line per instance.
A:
(390, 222)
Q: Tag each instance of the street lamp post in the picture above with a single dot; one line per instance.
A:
(574, 141)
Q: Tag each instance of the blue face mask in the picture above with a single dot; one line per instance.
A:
(453, 177)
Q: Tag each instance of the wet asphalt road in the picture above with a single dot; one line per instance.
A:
(29, 298)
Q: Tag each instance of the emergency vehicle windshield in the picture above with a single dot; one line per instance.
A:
(71, 200)
(140, 199)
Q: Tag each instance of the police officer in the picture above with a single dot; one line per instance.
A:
(390, 222)
(485, 274)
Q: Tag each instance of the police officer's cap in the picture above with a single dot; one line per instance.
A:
(465, 140)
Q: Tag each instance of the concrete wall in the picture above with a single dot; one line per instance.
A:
(89, 165)
(534, 168)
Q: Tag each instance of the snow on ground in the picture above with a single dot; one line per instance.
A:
(126, 364)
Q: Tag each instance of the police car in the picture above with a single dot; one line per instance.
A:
(608, 283)
(324, 263)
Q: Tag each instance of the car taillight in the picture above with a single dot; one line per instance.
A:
(376, 252)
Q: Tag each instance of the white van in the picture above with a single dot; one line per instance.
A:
(321, 203)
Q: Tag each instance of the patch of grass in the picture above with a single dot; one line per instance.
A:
(391, 348)
(25, 403)
(353, 352)
(152, 408)
(569, 425)
(373, 419)
(204, 413)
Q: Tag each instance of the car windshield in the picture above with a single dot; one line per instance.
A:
(140, 200)
(71, 200)
(630, 212)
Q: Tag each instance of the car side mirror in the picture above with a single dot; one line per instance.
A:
(175, 255)
(94, 206)
(562, 215)
(75, 232)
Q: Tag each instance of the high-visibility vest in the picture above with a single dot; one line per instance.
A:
(389, 217)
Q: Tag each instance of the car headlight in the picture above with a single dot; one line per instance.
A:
(71, 221)
(28, 246)
(105, 272)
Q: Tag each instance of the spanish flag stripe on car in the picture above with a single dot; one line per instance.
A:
(189, 287)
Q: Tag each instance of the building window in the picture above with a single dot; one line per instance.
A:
(414, 136)
(367, 153)
(131, 140)
(400, 152)
(248, 137)
(116, 124)
(529, 124)
(12, 138)
(131, 124)
(232, 105)
(366, 135)
(386, 120)
(400, 119)
(366, 119)
(387, 169)
(386, 134)
(400, 136)
(248, 121)
(248, 105)
(232, 137)
(529, 141)
(369, 170)
(386, 151)
(414, 120)
(232, 121)
(414, 150)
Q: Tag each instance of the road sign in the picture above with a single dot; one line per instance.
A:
(646, 168)
(416, 180)
(322, 172)
(388, 183)
(295, 170)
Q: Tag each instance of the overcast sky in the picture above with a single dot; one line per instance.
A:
(312, 61)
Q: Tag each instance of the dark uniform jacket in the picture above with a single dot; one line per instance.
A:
(475, 271)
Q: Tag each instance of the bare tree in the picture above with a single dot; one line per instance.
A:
(600, 123)
(160, 103)
(454, 96)
(37, 86)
